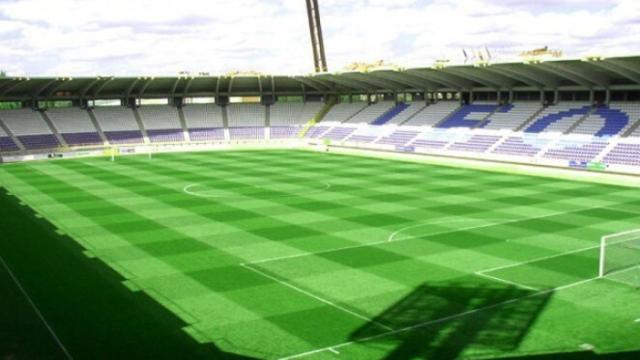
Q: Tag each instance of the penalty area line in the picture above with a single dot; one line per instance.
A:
(321, 299)
(437, 321)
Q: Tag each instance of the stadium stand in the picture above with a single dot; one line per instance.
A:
(371, 113)
(286, 119)
(605, 121)
(474, 143)
(528, 145)
(399, 137)
(75, 126)
(433, 114)
(575, 150)
(246, 121)
(469, 116)
(558, 118)
(434, 139)
(30, 128)
(338, 133)
(162, 123)
(204, 121)
(343, 111)
(6, 142)
(118, 124)
(390, 114)
(412, 109)
(512, 119)
(624, 154)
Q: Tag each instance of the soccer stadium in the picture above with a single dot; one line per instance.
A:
(481, 209)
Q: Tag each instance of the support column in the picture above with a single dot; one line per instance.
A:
(607, 96)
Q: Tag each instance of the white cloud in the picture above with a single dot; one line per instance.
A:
(85, 37)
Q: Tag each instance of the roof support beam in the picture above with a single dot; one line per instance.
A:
(145, 86)
(84, 90)
(127, 93)
(441, 78)
(569, 75)
(172, 94)
(518, 76)
(489, 82)
(350, 84)
(385, 83)
(36, 94)
(230, 84)
(313, 83)
(11, 86)
(406, 79)
(382, 84)
(102, 86)
(622, 68)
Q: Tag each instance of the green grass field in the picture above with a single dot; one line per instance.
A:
(295, 254)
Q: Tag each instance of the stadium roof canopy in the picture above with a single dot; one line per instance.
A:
(621, 73)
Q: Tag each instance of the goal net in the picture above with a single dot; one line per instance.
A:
(620, 256)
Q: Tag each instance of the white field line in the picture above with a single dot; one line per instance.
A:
(622, 282)
(187, 190)
(538, 259)
(35, 308)
(507, 281)
(436, 321)
(323, 300)
(391, 238)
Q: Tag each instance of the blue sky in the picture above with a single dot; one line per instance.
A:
(161, 37)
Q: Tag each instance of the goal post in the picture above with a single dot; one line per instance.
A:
(111, 152)
(619, 252)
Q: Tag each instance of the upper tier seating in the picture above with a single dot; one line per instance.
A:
(118, 124)
(632, 109)
(558, 118)
(246, 121)
(158, 117)
(30, 128)
(371, 112)
(433, 114)
(469, 116)
(512, 119)
(75, 126)
(411, 110)
(343, 111)
(390, 114)
(204, 121)
(162, 123)
(286, 119)
(290, 114)
(607, 121)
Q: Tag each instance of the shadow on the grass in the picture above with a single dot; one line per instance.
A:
(94, 315)
(461, 330)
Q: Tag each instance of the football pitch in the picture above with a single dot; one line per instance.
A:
(292, 254)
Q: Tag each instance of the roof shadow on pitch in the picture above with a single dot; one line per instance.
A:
(82, 299)
(455, 319)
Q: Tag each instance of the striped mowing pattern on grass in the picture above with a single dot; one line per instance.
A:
(322, 223)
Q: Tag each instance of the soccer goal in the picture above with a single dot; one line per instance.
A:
(620, 253)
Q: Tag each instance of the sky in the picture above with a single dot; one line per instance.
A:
(161, 37)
